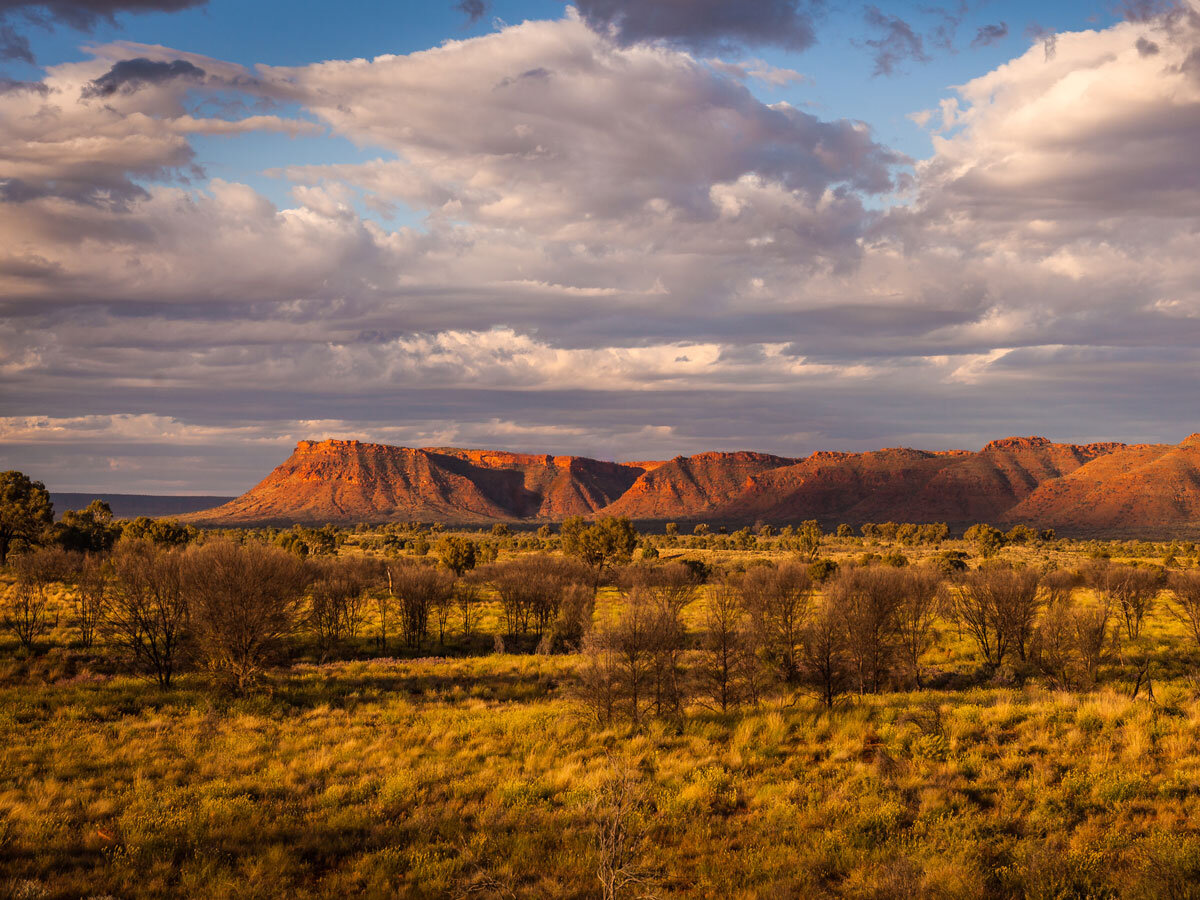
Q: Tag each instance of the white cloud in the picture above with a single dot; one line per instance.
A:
(603, 221)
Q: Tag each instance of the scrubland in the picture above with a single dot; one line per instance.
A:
(478, 767)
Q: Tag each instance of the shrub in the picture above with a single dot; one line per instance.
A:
(727, 665)
(245, 600)
(775, 601)
(419, 590)
(866, 601)
(998, 605)
(335, 604)
(148, 615)
(1133, 590)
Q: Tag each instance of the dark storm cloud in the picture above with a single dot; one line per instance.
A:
(949, 18)
(990, 34)
(474, 10)
(705, 23)
(129, 75)
(78, 14)
(11, 86)
(84, 14)
(896, 41)
(13, 45)
(102, 190)
(1047, 37)
(1146, 10)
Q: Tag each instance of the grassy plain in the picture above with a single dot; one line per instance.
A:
(481, 775)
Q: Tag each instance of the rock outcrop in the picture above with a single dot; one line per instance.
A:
(1105, 487)
(350, 481)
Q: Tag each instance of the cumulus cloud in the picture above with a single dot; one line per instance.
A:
(588, 220)
(704, 24)
(494, 128)
(93, 132)
(1102, 129)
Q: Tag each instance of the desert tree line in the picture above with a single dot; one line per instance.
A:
(867, 628)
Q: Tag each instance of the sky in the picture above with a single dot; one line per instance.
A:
(626, 229)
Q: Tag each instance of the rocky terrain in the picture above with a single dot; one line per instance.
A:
(1106, 487)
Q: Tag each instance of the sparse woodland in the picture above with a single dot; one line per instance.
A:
(586, 711)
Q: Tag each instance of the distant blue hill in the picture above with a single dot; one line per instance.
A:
(130, 506)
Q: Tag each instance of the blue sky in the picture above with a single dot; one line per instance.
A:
(634, 229)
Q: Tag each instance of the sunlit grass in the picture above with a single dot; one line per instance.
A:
(480, 775)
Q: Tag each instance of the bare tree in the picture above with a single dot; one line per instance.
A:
(419, 590)
(823, 649)
(148, 614)
(1059, 584)
(668, 590)
(998, 605)
(1094, 634)
(622, 838)
(1133, 590)
(575, 615)
(441, 604)
(1017, 601)
(916, 613)
(384, 602)
(1186, 588)
(971, 607)
(467, 595)
(867, 599)
(724, 649)
(599, 676)
(1054, 648)
(776, 600)
(91, 600)
(26, 610)
(672, 586)
(332, 606)
(633, 639)
(531, 588)
(245, 601)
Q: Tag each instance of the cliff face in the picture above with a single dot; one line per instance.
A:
(689, 486)
(1093, 487)
(904, 485)
(349, 481)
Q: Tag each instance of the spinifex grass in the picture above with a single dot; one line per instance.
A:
(442, 777)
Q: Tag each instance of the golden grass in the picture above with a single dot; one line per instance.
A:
(481, 776)
(443, 777)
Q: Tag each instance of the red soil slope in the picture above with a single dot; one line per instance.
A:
(1136, 488)
(689, 486)
(903, 485)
